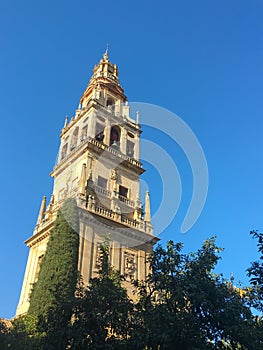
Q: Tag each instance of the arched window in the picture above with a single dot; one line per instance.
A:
(84, 133)
(115, 136)
(74, 138)
(99, 133)
(110, 103)
(39, 259)
(64, 151)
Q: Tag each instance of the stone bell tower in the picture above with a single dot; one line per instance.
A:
(98, 164)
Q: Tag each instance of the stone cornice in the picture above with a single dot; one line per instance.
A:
(39, 236)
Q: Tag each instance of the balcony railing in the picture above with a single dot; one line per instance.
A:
(117, 217)
(89, 140)
(127, 201)
(100, 190)
(95, 208)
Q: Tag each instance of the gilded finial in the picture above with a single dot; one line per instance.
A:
(105, 56)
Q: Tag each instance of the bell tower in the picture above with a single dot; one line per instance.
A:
(98, 164)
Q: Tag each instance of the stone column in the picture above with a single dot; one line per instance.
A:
(106, 139)
(117, 108)
(82, 180)
(141, 273)
(92, 125)
(137, 147)
(147, 216)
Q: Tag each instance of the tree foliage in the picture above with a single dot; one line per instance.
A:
(183, 304)
(53, 294)
(4, 335)
(102, 315)
(57, 277)
(255, 273)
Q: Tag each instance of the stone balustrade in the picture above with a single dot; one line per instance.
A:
(89, 140)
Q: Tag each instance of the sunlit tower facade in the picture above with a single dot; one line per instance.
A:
(98, 164)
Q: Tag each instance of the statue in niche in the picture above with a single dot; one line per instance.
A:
(97, 92)
(114, 175)
(114, 178)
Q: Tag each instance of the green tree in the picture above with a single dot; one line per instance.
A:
(184, 305)
(24, 335)
(255, 291)
(4, 335)
(102, 317)
(52, 296)
(255, 273)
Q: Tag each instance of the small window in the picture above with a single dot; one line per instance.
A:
(102, 182)
(110, 102)
(123, 191)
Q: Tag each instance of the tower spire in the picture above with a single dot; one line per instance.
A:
(42, 210)
(106, 76)
(147, 216)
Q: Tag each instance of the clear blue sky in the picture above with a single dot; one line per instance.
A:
(200, 59)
